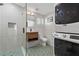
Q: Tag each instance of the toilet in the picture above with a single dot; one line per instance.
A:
(43, 40)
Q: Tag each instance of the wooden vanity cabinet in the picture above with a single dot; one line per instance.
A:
(32, 36)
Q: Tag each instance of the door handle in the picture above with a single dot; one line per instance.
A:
(23, 30)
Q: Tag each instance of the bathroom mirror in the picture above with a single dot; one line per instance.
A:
(30, 23)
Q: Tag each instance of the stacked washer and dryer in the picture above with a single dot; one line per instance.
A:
(66, 37)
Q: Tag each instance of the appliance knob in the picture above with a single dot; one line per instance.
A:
(64, 35)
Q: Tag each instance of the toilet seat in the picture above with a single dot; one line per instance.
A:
(44, 39)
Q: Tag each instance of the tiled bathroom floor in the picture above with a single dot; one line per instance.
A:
(33, 51)
(40, 51)
(17, 52)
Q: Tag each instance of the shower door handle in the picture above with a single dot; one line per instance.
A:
(23, 30)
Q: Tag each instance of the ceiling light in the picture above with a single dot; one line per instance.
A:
(32, 13)
(28, 13)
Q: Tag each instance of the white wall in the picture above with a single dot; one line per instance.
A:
(50, 28)
(11, 13)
